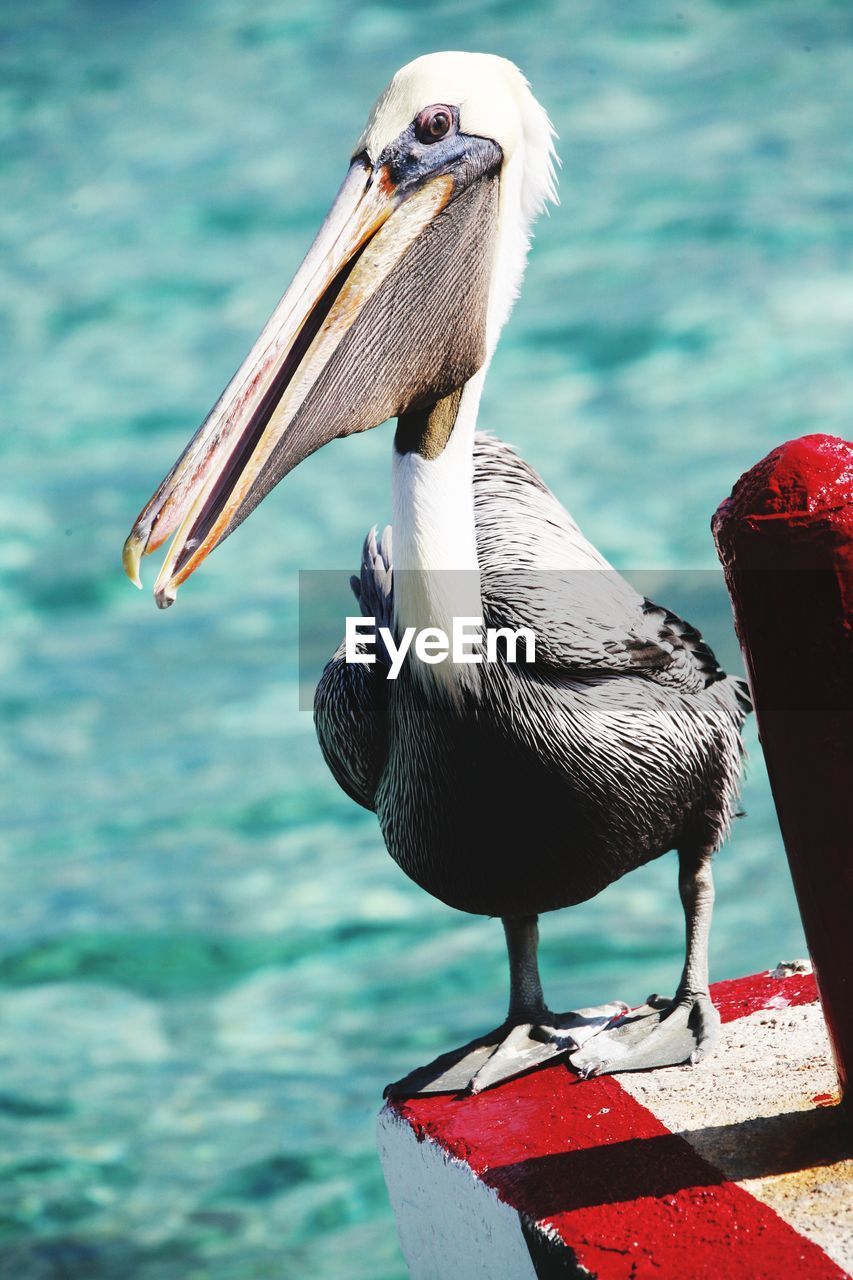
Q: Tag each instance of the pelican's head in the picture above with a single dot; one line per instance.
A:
(397, 305)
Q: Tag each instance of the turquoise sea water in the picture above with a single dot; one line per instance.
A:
(208, 965)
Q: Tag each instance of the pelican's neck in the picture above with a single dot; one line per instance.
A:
(436, 574)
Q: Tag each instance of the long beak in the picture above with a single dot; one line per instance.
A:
(262, 424)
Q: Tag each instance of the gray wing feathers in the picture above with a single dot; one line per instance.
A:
(587, 619)
(373, 588)
(349, 704)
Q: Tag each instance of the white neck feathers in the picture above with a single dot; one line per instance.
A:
(436, 575)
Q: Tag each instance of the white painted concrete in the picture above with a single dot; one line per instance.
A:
(451, 1225)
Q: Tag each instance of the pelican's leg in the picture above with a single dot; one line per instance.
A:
(526, 1001)
(530, 1035)
(665, 1033)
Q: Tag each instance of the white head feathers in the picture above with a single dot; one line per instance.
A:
(494, 101)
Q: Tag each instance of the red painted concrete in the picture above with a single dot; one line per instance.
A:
(785, 537)
(739, 996)
(627, 1197)
(808, 477)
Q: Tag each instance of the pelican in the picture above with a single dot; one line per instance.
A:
(503, 788)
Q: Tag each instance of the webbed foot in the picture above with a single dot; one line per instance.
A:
(663, 1033)
(505, 1052)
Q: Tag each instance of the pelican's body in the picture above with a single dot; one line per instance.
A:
(502, 789)
(534, 786)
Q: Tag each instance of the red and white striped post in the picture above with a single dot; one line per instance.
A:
(785, 537)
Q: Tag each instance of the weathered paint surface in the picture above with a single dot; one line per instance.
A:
(740, 996)
(764, 1112)
(785, 537)
(603, 1172)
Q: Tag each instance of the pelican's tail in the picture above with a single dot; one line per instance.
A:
(373, 588)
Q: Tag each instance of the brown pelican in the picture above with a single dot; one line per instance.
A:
(504, 789)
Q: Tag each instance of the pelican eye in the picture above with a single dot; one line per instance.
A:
(433, 123)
